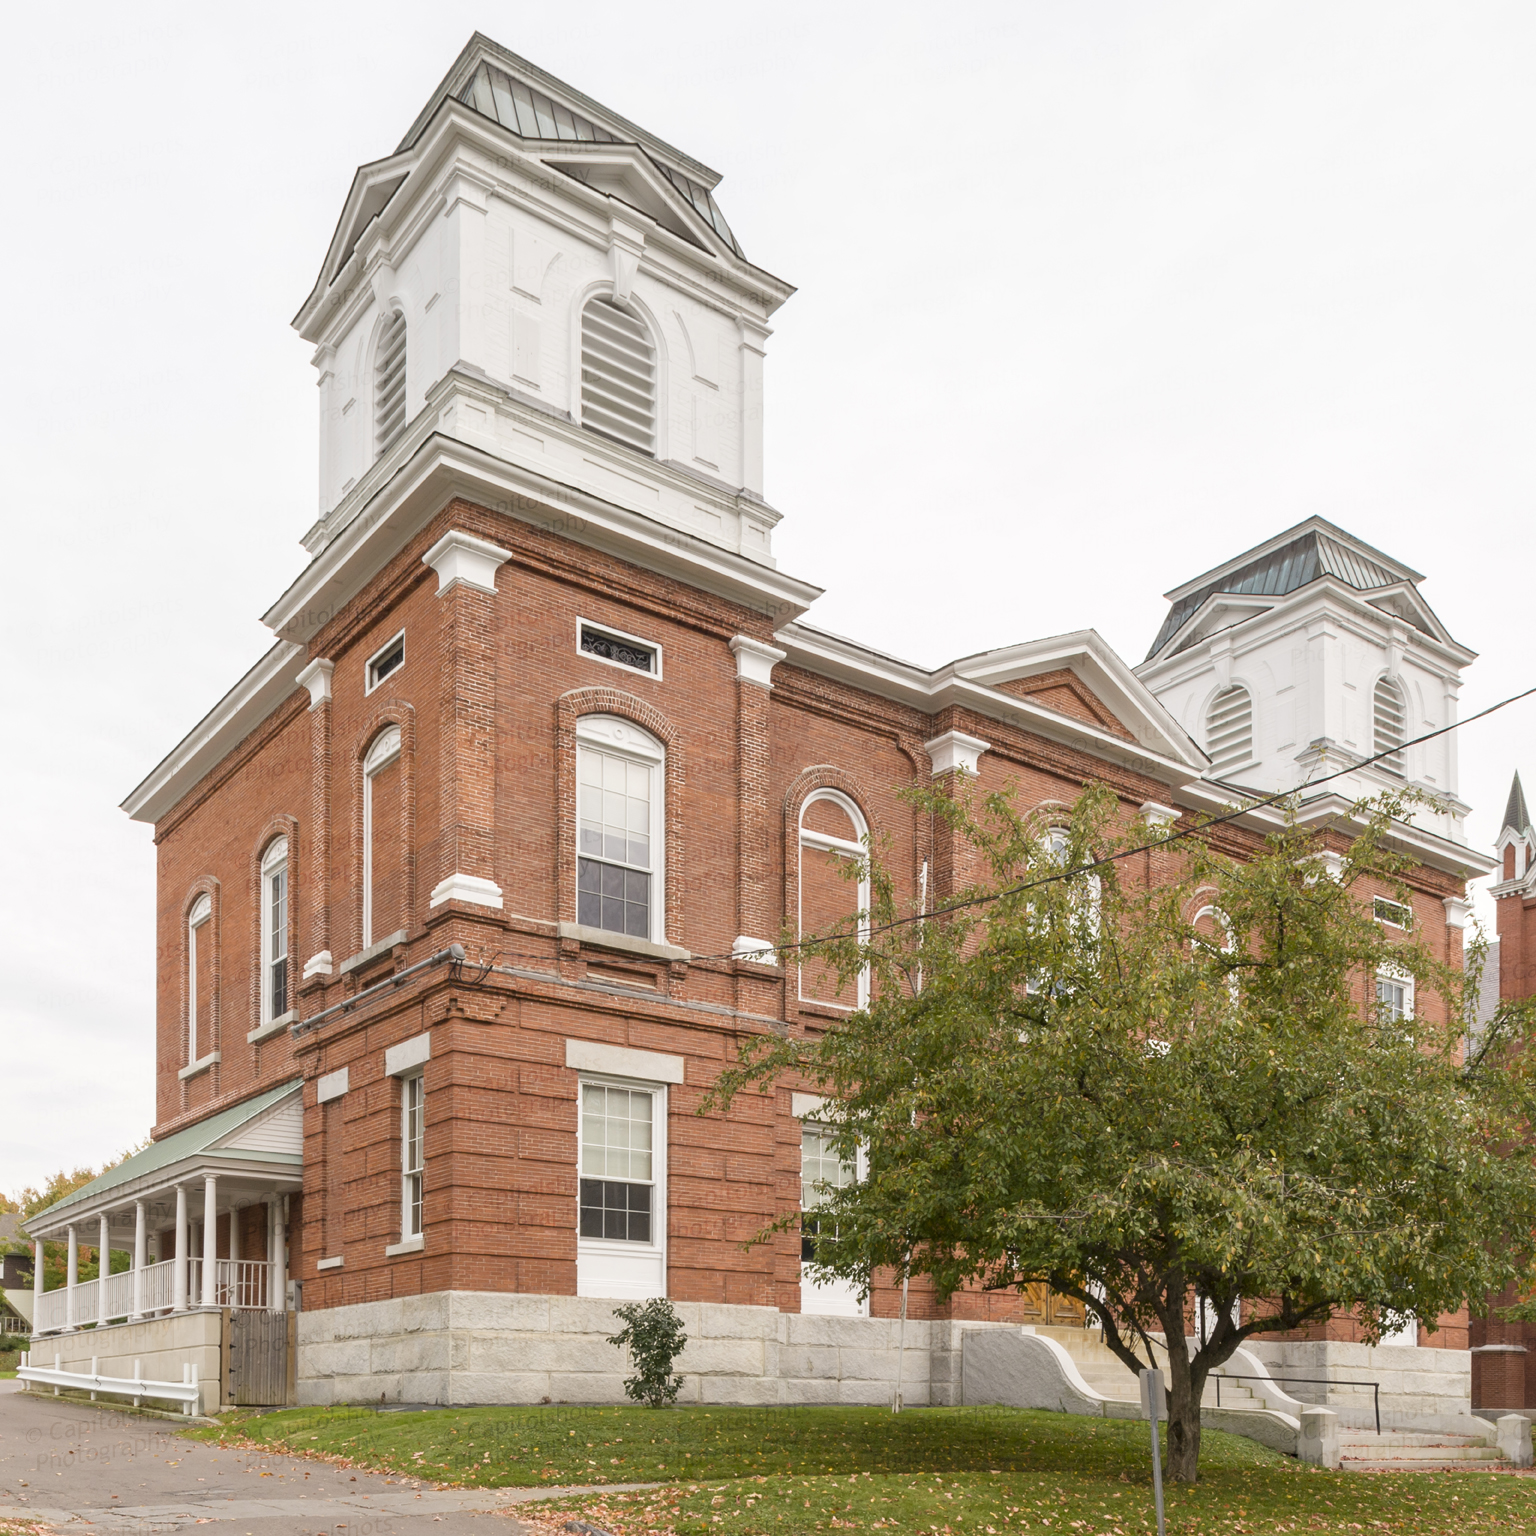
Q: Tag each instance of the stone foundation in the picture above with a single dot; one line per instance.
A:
(465, 1347)
(161, 1345)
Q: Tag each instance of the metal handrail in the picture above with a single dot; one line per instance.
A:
(1320, 1381)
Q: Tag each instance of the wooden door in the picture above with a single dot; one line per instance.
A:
(258, 1359)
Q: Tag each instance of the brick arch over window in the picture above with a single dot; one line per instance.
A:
(281, 825)
(400, 714)
(569, 708)
(209, 1031)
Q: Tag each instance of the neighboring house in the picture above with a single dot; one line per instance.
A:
(15, 1275)
(465, 889)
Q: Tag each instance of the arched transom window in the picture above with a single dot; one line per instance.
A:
(274, 930)
(383, 838)
(619, 833)
(832, 833)
(199, 979)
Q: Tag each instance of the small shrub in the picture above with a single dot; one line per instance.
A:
(654, 1337)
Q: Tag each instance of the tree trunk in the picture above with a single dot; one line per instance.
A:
(1184, 1393)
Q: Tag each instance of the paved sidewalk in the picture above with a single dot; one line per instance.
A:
(79, 1465)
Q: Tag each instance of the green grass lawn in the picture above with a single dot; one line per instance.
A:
(755, 1470)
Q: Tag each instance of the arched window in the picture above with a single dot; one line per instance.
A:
(618, 375)
(389, 383)
(620, 819)
(1391, 720)
(832, 829)
(383, 839)
(1229, 727)
(274, 930)
(199, 979)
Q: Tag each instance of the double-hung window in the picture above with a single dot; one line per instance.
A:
(199, 980)
(274, 931)
(621, 1220)
(1394, 994)
(832, 836)
(413, 1161)
(619, 813)
(383, 853)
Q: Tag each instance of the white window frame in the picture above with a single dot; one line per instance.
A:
(198, 917)
(1395, 976)
(370, 682)
(623, 738)
(1378, 902)
(274, 864)
(384, 751)
(618, 634)
(413, 1179)
(830, 1298)
(823, 842)
(602, 1263)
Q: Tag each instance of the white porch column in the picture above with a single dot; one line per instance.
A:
(179, 1273)
(71, 1279)
(280, 1258)
(210, 1240)
(140, 1247)
(234, 1234)
(103, 1268)
(37, 1283)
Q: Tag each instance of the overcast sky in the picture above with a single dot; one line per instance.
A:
(1092, 296)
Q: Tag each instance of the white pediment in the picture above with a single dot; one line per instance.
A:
(278, 1128)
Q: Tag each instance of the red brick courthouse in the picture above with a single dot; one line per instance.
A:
(543, 700)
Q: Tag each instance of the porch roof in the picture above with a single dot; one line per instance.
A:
(261, 1135)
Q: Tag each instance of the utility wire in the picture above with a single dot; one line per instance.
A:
(1161, 842)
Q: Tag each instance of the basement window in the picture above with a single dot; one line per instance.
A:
(390, 659)
(1395, 914)
(618, 649)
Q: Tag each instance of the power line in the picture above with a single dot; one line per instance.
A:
(1162, 842)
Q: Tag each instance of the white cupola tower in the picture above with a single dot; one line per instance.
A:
(1311, 653)
(538, 280)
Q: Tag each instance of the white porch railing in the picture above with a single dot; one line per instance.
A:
(244, 1284)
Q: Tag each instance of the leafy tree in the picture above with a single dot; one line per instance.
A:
(1153, 1080)
(653, 1334)
(30, 1200)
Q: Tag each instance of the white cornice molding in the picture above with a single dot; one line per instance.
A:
(1173, 760)
(460, 557)
(754, 660)
(219, 732)
(444, 468)
(955, 752)
(317, 678)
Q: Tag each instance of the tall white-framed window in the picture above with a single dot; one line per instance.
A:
(413, 1155)
(199, 979)
(274, 930)
(389, 383)
(832, 831)
(821, 1169)
(618, 374)
(620, 828)
(1394, 994)
(621, 1217)
(1213, 929)
(1390, 719)
(382, 754)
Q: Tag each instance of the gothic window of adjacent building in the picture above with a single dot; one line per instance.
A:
(832, 830)
(618, 375)
(199, 979)
(1391, 718)
(274, 930)
(1229, 727)
(389, 383)
(619, 827)
(383, 838)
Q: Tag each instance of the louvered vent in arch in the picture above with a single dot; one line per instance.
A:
(618, 375)
(1391, 725)
(1229, 727)
(389, 383)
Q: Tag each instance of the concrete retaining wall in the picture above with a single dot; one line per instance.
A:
(161, 1345)
(489, 1347)
(1421, 1389)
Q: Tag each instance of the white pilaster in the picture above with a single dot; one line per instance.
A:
(71, 1278)
(462, 557)
(755, 661)
(37, 1278)
(140, 1251)
(179, 1272)
(210, 1240)
(955, 750)
(317, 678)
(103, 1268)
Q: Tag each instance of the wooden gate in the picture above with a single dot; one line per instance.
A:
(257, 1359)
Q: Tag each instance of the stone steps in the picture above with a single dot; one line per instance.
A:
(1405, 1451)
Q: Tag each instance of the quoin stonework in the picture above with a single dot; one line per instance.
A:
(468, 890)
